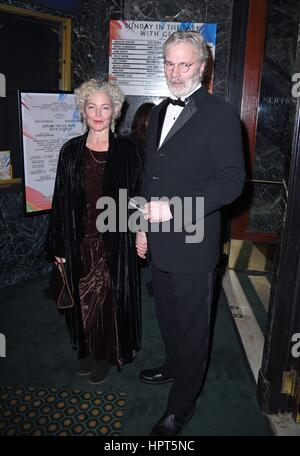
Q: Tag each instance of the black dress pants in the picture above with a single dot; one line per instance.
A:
(183, 306)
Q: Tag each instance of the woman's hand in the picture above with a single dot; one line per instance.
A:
(59, 260)
(141, 244)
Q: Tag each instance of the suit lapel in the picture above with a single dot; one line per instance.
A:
(188, 111)
(160, 121)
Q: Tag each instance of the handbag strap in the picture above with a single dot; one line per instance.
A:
(62, 271)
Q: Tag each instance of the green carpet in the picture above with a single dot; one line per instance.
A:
(58, 412)
(39, 355)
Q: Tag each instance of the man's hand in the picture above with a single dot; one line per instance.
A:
(141, 244)
(157, 211)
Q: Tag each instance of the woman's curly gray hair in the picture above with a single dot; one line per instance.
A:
(88, 88)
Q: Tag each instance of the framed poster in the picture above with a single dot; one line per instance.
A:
(135, 53)
(48, 120)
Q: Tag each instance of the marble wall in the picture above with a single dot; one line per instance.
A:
(90, 39)
(276, 114)
(22, 239)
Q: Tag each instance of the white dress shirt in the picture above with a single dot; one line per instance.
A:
(172, 113)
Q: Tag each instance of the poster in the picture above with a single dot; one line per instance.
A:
(135, 53)
(48, 121)
(5, 165)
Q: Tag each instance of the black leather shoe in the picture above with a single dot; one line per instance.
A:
(154, 377)
(100, 372)
(86, 365)
(170, 425)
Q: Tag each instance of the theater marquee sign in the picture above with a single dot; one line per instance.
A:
(135, 53)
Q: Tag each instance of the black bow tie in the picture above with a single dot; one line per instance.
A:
(177, 102)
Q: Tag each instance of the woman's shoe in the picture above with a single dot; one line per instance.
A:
(86, 365)
(100, 372)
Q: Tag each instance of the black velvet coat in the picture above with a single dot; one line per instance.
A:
(66, 231)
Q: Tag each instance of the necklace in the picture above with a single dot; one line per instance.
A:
(102, 162)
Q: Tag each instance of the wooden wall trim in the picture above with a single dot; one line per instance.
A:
(259, 236)
(254, 52)
(255, 42)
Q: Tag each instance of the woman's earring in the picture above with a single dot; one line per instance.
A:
(113, 125)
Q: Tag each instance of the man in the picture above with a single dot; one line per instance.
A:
(193, 149)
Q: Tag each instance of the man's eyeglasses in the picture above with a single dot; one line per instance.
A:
(183, 67)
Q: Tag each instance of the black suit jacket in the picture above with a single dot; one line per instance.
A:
(201, 156)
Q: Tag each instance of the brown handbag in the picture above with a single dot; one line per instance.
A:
(65, 299)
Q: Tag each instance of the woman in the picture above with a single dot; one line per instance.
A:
(105, 323)
(140, 124)
(138, 134)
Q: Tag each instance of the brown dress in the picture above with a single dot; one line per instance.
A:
(96, 291)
